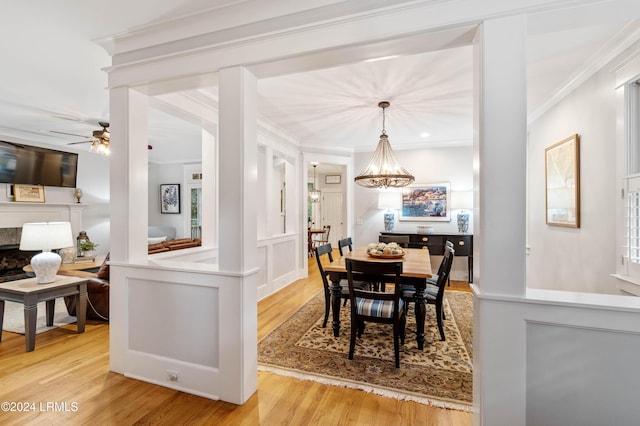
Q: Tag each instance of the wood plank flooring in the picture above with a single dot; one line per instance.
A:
(66, 381)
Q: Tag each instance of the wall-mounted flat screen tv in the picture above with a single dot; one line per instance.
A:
(32, 165)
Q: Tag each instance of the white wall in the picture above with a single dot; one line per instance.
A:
(453, 165)
(161, 174)
(568, 258)
(93, 179)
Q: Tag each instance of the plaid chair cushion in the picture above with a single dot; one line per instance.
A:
(433, 279)
(376, 308)
(430, 292)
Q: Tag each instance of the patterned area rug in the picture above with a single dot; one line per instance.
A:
(14, 317)
(440, 375)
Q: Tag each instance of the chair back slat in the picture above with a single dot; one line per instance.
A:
(444, 271)
(362, 270)
(322, 250)
(345, 242)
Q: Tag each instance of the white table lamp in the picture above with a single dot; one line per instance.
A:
(389, 201)
(46, 236)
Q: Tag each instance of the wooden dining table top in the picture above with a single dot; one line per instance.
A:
(416, 263)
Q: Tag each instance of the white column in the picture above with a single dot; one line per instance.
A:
(500, 156)
(129, 179)
(209, 188)
(237, 171)
(237, 185)
(499, 334)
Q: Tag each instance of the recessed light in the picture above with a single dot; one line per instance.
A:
(424, 135)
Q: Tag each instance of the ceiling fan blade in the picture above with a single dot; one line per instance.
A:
(70, 134)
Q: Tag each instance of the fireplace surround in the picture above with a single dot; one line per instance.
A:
(13, 214)
(12, 259)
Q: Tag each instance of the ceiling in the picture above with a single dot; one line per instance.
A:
(52, 78)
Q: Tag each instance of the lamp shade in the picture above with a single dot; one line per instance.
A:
(389, 200)
(461, 200)
(46, 236)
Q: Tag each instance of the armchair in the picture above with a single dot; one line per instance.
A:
(97, 292)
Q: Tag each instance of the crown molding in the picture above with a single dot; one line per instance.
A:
(605, 55)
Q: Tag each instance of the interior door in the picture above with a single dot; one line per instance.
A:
(332, 214)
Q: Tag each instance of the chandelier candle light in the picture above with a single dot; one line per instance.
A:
(384, 171)
(45, 236)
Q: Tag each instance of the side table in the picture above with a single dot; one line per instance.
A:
(30, 293)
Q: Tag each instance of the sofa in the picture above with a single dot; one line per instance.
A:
(163, 238)
(166, 232)
(180, 243)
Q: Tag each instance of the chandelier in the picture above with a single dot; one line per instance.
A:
(384, 171)
(314, 194)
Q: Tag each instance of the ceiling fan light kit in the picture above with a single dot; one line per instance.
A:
(100, 139)
(384, 171)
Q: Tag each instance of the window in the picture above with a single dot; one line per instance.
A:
(630, 233)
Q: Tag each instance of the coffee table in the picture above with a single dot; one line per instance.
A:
(28, 292)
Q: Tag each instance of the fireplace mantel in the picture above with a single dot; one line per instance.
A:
(15, 214)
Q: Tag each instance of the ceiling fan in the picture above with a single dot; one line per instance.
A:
(100, 139)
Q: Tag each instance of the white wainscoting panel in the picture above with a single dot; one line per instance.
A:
(568, 368)
(200, 324)
(178, 312)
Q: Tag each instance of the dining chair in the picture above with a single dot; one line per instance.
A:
(433, 279)
(326, 251)
(324, 237)
(372, 306)
(434, 293)
(402, 240)
(345, 242)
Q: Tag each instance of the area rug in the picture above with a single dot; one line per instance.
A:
(14, 317)
(440, 375)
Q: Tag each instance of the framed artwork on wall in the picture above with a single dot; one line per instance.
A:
(562, 182)
(426, 202)
(28, 193)
(170, 198)
(332, 179)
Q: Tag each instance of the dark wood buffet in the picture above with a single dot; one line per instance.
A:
(462, 243)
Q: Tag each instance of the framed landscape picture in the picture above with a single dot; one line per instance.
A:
(426, 202)
(562, 183)
(28, 193)
(170, 198)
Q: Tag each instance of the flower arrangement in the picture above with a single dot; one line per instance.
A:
(379, 249)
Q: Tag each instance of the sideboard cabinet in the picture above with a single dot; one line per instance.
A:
(462, 243)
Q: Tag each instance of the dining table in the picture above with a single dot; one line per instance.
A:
(416, 268)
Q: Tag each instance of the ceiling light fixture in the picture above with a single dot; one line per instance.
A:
(314, 194)
(384, 171)
(101, 147)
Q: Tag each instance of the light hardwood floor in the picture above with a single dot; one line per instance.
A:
(72, 370)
